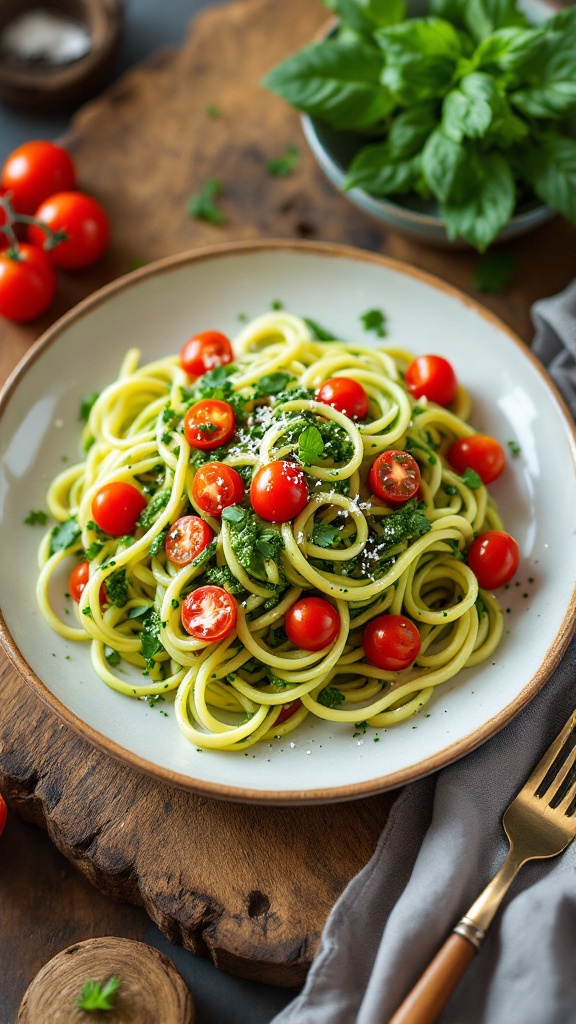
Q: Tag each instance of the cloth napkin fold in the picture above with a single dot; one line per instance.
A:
(442, 844)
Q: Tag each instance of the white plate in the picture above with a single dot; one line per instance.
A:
(157, 309)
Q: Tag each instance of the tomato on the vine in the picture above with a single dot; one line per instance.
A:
(205, 351)
(27, 283)
(287, 710)
(432, 377)
(215, 487)
(209, 424)
(3, 813)
(116, 507)
(83, 222)
(35, 171)
(312, 623)
(209, 613)
(391, 642)
(186, 539)
(394, 476)
(279, 491)
(346, 396)
(479, 452)
(493, 558)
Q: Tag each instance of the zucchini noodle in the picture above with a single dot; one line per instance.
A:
(347, 546)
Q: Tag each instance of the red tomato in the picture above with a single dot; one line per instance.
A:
(493, 558)
(215, 487)
(479, 452)
(79, 578)
(287, 710)
(3, 813)
(279, 492)
(209, 613)
(27, 283)
(431, 377)
(209, 424)
(204, 352)
(391, 642)
(84, 223)
(346, 396)
(312, 623)
(35, 171)
(394, 476)
(186, 539)
(3, 236)
(116, 508)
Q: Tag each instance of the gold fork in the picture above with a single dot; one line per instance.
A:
(540, 822)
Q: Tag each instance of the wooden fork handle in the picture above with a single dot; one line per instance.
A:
(424, 1004)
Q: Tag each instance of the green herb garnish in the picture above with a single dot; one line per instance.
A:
(203, 204)
(99, 997)
(281, 166)
(36, 517)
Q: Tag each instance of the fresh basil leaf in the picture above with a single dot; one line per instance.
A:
(234, 514)
(481, 200)
(410, 129)
(64, 535)
(421, 56)
(318, 332)
(273, 383)
(450, 10)
(267, 544)
(337, 81)
(325, 535)
(374, 170)
(442, 159)
(365, 15)
(553, 94)
(483, 17)
(471, 479)
(508, 49)
(310, 445)
(469, 109)
(375, 320)
(549, 165)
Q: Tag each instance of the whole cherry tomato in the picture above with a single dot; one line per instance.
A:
(209, 424)
(493, 558)
(344, 395)
(209, 613)
(116, 508)
(27, 283)
(312, 623)
(3, 813)
(391, 642)
(35, 171)
(204, 352)
(215, 487)
(186, 539)
(79, 578)
(479, 452)
(279, 491)
(394, 476)
(84, 223)
(287, 710)
(432, 377)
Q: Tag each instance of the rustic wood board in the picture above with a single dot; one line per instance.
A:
(250, 887)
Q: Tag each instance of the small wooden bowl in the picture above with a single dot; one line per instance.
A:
(41, 85)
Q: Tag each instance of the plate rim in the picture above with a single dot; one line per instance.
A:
(448, 754)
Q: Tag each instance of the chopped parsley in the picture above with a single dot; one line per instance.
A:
(203, 205)
(375, 320)
(471, 479)
(150, 644)
(154, 508)
(330, 697)
(513, 446)
(253, 541)
(281, 166)
(65, 535)
(36, 517)
(325, 535)
(117, 588)
(86, 406)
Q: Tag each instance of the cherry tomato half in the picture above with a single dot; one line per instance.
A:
(79, 578)
(209, 424)
(27, 283)
(479, 452)
(116, 508)
(35, 171)
(4, 813)
(186, 539)
(287, 710)
(344, 395)
(432, 377)
(394, 476)
(391, 642)
(215, 487)
(279, 491)
(82, 220)
(204, 352)
(493, 558)
(312, 623)
(209, 613)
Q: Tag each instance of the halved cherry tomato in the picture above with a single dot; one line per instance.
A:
(432, 377)
(209, 613)
(84, 223)
(391, 642)
(209, 424)
(3, 813)
(288, 710)
(493, 558)
(27, 283)
(215, 487)
(116, 508)
(344, 395)
(279, 491)
(35, 171)
(186, 539)
(479, 452)
(394, 476)
(79, 578)
(204, 352)
(312, 623)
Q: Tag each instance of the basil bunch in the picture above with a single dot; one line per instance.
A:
(469, 106)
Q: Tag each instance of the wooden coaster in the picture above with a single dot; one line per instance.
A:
(151, 990)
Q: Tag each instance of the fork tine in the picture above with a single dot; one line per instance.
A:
(550, 756)
(570, 794)
(556, 783)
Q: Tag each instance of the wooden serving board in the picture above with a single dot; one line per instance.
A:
(248, 886)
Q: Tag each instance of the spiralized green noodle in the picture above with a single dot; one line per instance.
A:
(229, 693)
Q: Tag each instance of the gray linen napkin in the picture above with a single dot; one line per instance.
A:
(442, 844)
